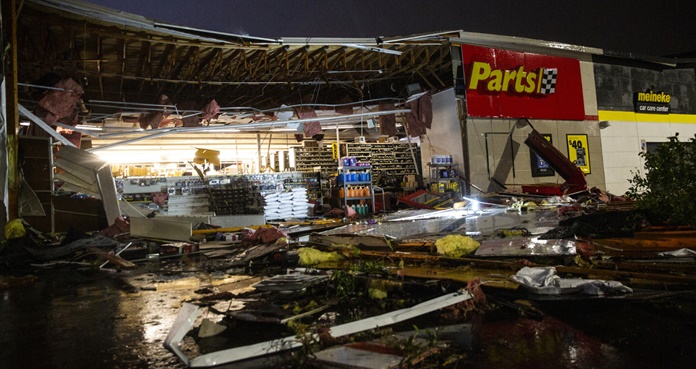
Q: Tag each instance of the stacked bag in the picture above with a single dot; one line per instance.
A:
(285, 205)
(299, 201)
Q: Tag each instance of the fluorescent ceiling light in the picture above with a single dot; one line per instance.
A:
(89, 128)
(340, 126)
(227, 130)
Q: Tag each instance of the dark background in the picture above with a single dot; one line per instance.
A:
(656, 28)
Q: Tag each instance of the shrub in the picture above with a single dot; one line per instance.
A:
(667, 191)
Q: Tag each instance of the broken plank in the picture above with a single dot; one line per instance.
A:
(223, 230)
(115, 259)
(622, 274)
(461, 274)
(109, 194)
(355, 240)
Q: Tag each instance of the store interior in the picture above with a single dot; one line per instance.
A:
(268, 168)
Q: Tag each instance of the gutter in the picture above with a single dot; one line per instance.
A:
(557, 48)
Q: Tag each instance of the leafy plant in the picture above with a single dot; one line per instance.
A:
(309, 341)
(344, 283)
(368, 266)
(667, 191)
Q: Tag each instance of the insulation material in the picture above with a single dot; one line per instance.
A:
(456, 245)
(152, 119)
(211, 110)
(310, 128)
(312, 256)
(421, 115)
(155, 119)
(73, 136)
(266, 235)
(425, 110)
(190, 119)
(61, 103)
(14, 229)
(415, 127)
(387, 123)
(344, 106)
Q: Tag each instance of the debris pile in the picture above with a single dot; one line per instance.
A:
(313, 284)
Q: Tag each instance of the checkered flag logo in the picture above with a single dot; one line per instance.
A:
(548, 81)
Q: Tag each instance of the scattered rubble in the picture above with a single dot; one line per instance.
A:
(318, 282)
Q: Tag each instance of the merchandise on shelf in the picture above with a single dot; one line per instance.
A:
(285, 205)
(387, 159)
(219, 195)
(443, 176)
(355, 186)
(312, 159)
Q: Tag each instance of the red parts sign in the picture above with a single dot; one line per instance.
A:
(510, 84)
(542, 81)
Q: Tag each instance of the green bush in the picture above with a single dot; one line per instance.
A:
(667, 191)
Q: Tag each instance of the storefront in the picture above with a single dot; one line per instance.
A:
(553, 93)
(640, 105)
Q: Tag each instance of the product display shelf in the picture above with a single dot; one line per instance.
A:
(442, 178)
(346, 185)
(387, 159)
(231, 194)
(362, 152)
(309, 158)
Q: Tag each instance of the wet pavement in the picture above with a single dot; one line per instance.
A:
(71, 319)
(102, 319)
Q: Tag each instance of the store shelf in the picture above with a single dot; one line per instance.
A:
(345, 171)
(309, 159)
(387, 159)
(442, 184)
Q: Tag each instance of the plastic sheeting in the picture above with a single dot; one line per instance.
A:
(545, 281)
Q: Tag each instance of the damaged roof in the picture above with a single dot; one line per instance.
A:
(127, 58)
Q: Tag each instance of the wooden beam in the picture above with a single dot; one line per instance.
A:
(99, 67)
(9, 32)
(261, 60)
(37, 17)
(165, 60)
(335, 58)
(124, 55)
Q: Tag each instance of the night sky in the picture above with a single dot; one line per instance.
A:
(657, 28)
